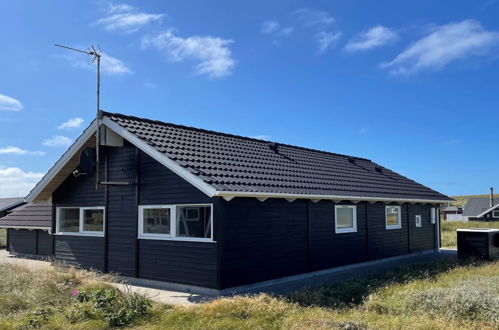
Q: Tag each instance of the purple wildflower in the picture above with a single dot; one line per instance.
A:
(75, 293)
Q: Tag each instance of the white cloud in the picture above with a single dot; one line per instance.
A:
(269, 27)
(8, 103)
(11, 150)
(126, 18)
(16, 182)
(213, 54)
(327, 40)
(71, 123)
(443, 45)
(261, 137)
(109, 64)
(57, 141)
(274, 27)
(314, 17)
(374, 37)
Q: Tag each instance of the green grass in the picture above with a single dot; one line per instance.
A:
(433, 296)
(449, 235)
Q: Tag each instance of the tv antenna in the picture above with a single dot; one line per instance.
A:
(96, 57)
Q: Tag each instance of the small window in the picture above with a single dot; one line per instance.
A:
(418, 221)
(393, 217)
(433, 215)
(155, 220)
(345, 218)
(69, 220)
(194, 221)
(80, 220)
(93, 220)
(495, 214)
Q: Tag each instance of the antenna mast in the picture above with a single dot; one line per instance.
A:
(96, 56)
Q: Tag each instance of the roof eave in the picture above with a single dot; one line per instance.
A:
(48, 229)
(231, 194)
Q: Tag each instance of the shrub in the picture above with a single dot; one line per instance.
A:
(474, 299)
(116, 307)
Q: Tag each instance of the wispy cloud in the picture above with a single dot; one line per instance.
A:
(376, 36)
(71, 123)
(16, 182)
(126, 18)
(57, 141)
(109, 64)
(261, 137)
(314, 17)
(8, 103)
(443, 45)
(274, 28)
(327, 40)
(11, 150)
(213, 54)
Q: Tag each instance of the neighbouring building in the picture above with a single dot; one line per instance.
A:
(482, 208)
(201, 208)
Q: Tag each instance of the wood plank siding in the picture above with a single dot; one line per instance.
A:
(120, 251)
(29, 242)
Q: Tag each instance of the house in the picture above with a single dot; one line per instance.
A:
(207, 209)
(8, 204)
(453, 213)
(482, 208)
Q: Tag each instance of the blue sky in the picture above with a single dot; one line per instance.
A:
(413, 85)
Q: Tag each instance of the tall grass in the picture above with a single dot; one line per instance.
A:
(449, 235)
(432, 296)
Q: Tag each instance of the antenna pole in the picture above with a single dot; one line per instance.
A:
(96, 56)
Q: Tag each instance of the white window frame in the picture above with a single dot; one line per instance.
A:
(399, 223)
(418, 219)
(493, 214)
(172, 209)
(354, 214)
(80, 231)
(173, 224)
(433, 215)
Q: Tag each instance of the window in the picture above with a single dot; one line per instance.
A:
(433, 215)
(418, 221)
(178, 222)
(345, 218)
(393, 217)
(495, 214)
(80, 220)
(155, 221)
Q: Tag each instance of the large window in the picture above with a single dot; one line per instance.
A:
(178, 222)
(393, 217)
(80, 220)
(345, 218)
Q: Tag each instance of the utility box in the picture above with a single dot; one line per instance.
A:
(480, 243)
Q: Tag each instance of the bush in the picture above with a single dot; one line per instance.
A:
(116, 307)
(474, 299)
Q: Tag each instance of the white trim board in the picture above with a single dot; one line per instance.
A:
(487, 211)
(160, 157)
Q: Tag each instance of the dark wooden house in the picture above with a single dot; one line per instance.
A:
(201, 208)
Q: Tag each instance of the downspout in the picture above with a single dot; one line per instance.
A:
(438, 244)
(106, 208)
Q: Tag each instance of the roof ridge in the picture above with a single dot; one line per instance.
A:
(230, 135)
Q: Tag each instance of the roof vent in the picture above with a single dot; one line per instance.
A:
(274, 147)
(351, 160)
(378, 169)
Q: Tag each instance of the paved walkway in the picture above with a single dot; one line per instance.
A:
(161, 293)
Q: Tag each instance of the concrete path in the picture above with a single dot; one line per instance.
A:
(161, 292)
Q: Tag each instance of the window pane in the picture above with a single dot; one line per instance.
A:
(392, 214)
(69, 220)
(93, 220)
(156, 221)
(194, 221)
(345, 217)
